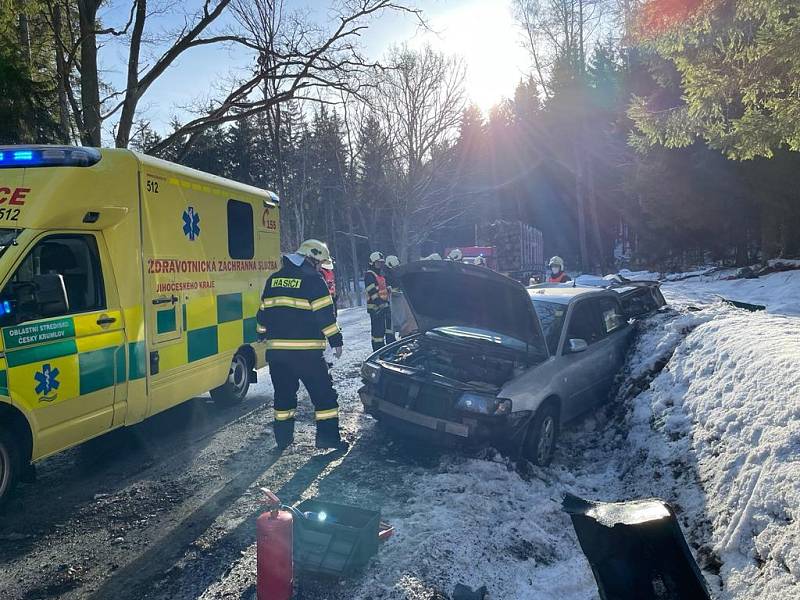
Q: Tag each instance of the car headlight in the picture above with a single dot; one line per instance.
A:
(485, 405)
(370, 372)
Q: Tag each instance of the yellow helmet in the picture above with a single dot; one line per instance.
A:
(315, 250)
(392, 261)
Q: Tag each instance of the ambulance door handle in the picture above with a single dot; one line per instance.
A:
(172, 300)
(106, 320)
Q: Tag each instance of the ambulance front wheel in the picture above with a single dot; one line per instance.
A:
(235, 388)
(9, 463)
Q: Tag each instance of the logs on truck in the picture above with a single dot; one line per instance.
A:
(513, 248)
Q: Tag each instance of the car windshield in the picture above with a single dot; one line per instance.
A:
(551, 316)
(8, 237)
(483, 335)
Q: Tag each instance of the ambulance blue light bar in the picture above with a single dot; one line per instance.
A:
(16, 157)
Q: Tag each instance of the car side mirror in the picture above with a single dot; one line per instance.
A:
(576, 345)
(50, 294)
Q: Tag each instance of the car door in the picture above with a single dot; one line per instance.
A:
(63, 339)
(582, 370)
(610, 350)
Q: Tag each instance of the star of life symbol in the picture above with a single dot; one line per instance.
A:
(191, 223)
(46, 383)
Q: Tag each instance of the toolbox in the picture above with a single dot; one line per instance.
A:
(334, 539)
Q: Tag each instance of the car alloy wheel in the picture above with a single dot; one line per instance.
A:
(544, 448)
(542, 435)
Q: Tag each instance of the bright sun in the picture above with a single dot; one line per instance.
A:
(484, 34)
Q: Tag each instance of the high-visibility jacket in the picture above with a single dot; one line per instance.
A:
(560, 278)
(377, 291)
(330, 280)
(297, 313)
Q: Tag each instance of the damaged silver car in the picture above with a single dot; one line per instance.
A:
(495, 362)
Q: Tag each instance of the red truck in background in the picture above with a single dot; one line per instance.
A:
(513, 248)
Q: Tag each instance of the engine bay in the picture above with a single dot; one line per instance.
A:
(462, 362)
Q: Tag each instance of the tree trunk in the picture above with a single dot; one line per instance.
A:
(90, 84)
(354, 258)
(61, 78)
(580, 202)
(770, 224)
(23, 30)
(132, 90)
(592, 201)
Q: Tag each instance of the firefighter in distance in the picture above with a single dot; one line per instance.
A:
(378, 293)
(557, 274)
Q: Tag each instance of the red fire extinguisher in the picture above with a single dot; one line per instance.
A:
(274, 568)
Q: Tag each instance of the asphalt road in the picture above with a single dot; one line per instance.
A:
(167, 509)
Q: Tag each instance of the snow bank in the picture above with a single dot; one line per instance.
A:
(477, 522)
(639, 275)
(728, 408)
(779, 292)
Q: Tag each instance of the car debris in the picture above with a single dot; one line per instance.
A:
(636, 549)
(463, 592)
(743, 305)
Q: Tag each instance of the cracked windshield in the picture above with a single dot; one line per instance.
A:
(399, 300)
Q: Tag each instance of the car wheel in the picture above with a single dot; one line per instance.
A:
(540, 443)
(235, 388)
(9, 464)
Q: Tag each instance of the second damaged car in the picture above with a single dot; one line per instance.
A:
(494, 362)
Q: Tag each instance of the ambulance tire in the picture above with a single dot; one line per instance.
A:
(9, 463)
(234, 390)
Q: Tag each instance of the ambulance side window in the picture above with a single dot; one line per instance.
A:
(61, 275)
(241, 241)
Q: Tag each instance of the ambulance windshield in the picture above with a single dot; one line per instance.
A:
(8, 237)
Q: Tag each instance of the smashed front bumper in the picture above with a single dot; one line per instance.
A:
(449, 430)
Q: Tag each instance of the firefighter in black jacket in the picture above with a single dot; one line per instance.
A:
(378, 302)
(296, 318)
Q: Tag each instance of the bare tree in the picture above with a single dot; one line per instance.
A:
(420, 100)
(295, 59)
(559, 31)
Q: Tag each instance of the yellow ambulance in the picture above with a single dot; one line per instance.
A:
(128, 285)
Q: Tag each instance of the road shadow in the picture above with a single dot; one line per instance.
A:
(69, 485)
(139, 578)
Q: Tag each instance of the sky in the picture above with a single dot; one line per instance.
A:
(482, 32)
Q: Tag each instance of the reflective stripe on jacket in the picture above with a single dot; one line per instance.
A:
(377, 291)
(297, 311)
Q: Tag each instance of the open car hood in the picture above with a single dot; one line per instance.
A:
(444, 293)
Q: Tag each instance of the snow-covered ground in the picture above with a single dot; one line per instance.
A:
(707, 418)
(779, 292)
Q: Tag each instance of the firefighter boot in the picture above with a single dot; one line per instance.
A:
(328, 435)
(284, 433)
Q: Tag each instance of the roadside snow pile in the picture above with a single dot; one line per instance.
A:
(779, 292)
(639, 275)
(477, 522)
(728, 406)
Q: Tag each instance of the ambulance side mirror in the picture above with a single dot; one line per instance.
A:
(50, 294)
